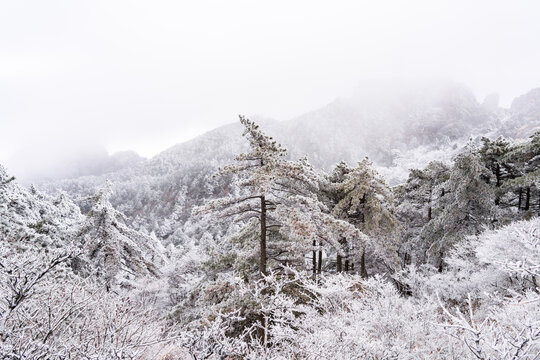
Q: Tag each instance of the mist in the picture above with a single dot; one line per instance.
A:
(79, 80)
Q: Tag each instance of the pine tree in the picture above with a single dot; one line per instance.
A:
(361, 197)
(416, 205)
(524, 183)
(281, 196)
(4, 177)
(464, 205)
(112, 251)
(493, 153)
(257, 173)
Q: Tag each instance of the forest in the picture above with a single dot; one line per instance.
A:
(279, 259)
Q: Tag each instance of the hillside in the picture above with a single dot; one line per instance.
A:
(398, 126)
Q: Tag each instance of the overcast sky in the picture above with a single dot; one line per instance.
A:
(145, 75)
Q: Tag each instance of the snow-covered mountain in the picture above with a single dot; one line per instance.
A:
(83, 272)
(398, 126)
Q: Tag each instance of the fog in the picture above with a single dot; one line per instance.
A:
(103, 76)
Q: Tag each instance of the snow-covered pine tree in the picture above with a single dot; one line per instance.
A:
(415, 201)
(4, 177)
(256, 171)
(278, 197)
(524, 184)
(464, 206)
(30, 219)
(493, 152)
(311, 227)
(361, 197)
(112, 251)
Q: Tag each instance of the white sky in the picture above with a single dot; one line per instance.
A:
(145, 75)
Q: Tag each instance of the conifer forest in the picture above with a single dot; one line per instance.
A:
(385, 206)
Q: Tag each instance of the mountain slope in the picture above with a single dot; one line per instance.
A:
(399, 126)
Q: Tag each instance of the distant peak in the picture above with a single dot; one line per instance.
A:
(527, 103)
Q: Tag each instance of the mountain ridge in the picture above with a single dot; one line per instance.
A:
(397, 133)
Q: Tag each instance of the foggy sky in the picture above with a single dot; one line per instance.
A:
(145, 75)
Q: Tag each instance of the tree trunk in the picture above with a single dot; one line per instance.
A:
(363, 271)
(339, 265)
(262, 263)
(347, 265)
(527, 198)
(429, 215)
(406, 259)
(519, 201)
(314, 259)
(440, 267)
(319, 263)
(498, 175)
